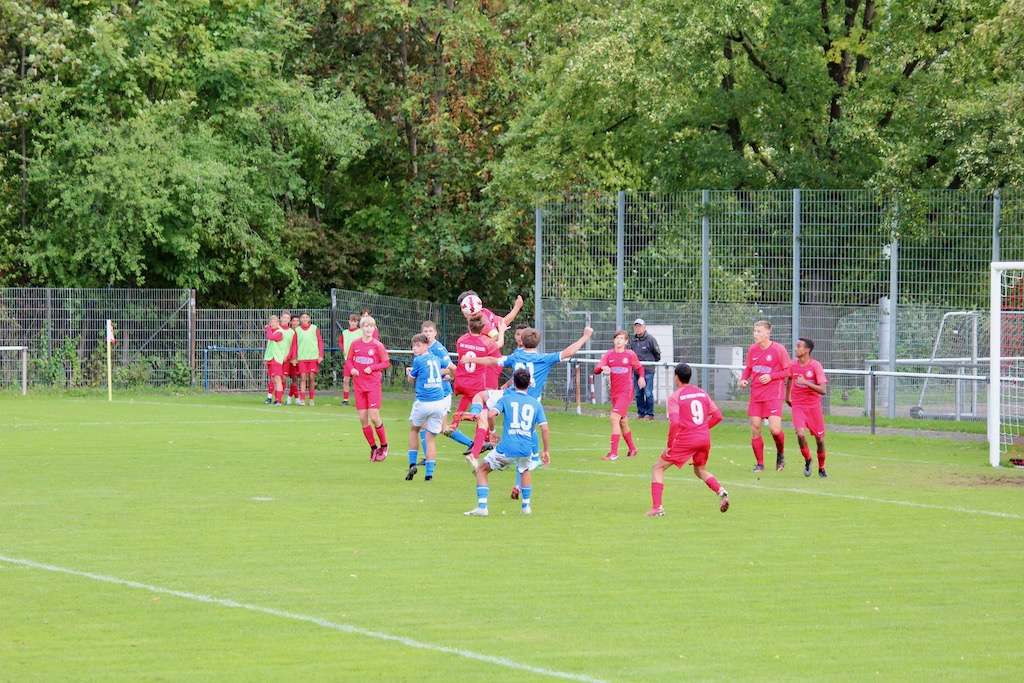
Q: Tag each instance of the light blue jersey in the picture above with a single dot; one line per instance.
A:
(522, 414)
(426, 369)
(438, 349)
(538, 365)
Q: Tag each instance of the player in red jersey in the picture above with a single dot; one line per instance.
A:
(367, 358)
(620, 362)
(491, 320)
(291, 371)
(471, 378)
(804, 388)
(691, 415)
(766, 371)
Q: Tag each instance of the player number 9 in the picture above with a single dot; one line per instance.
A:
(697, 412)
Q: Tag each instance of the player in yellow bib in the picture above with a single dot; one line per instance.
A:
(309, 350)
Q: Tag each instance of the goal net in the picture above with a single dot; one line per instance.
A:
(14, 366)
(1006, 363)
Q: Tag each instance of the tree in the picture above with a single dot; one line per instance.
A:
(172, 144)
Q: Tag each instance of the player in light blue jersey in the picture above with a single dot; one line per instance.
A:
(430, 406)
(538, 365)
(438, 349)
(523, 415)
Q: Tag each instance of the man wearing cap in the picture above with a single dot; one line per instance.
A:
(646, 349)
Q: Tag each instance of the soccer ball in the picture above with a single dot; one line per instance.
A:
(472, 305)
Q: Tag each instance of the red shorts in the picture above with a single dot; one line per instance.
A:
(765, 409)
(620, 404)
(469, 389)
(680, 456)
(366, 400)
(292, 370)
(309, 366)
(811, 419)
(274, 369)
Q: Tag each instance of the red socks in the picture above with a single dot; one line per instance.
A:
(478, 441)
(713, 484)
(381, 434)
(780, 442)
(368, 433)
(806, 452)
(656, 491)
(628, 436)
(821, 460)
(758, 446)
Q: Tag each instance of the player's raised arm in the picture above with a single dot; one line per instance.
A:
(516, 307)
(573, 348)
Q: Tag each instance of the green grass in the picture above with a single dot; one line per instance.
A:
(204, 538)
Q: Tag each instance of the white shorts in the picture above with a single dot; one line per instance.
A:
(429, 414)
(447, 400)
(493, 396)
(497, 461)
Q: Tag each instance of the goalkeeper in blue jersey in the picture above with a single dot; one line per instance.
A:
(523, 415)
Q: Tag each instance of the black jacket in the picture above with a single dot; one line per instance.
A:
(645, 347)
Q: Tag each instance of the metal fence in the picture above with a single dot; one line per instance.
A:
(65, 331)
(868, 276)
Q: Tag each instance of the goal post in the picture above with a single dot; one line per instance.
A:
(23, 353)
(1006, 361)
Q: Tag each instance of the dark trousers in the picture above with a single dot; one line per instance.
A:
(644, 397)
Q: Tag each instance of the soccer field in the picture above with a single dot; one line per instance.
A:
(211, 537)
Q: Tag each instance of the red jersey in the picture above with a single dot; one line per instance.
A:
(772, 361)
(805, 397)
(691, 415)
(471, 378)
(621, 365)
(363, 354)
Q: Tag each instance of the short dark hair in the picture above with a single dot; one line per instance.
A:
(468, 292)
(809, 343)
(521, 377)
(420, 338)
(476, 324)
(684, 372)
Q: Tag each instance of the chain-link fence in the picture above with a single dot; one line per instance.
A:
(65, 332)
(868, 277)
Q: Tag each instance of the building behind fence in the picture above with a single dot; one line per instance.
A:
(871, 278)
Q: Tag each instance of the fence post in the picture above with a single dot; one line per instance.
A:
(538, 272)
(620, 266)
(192, 335)
(796, 266)
(894, 279)
(997, 209)
(705, 289)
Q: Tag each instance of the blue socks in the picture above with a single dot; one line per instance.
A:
(461, 438)
(481, 495)
(430, 468)
(412, 457)
(525, 494)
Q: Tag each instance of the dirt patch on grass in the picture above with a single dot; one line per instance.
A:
(976, 482)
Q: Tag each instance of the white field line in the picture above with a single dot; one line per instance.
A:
(111, 423)
(827, 494)
(316, 621)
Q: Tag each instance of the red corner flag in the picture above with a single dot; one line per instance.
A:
(110, 333)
